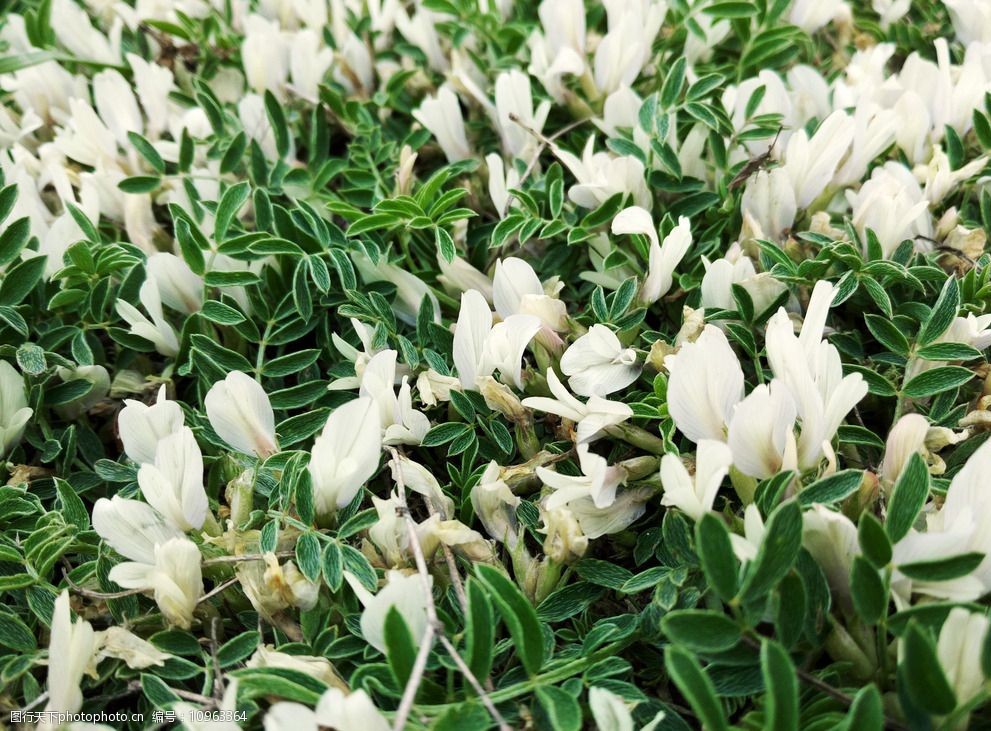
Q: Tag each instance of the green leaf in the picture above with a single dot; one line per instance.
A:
(942, 569)
(870, 598)
(937, 380)
(866, 711)
(333, 565)
(156, 691)
(922, 673)
(874, 541)
(445, 244)
(701, 630)
(444, 433)
(356, 564)
(21, 279)
(832, 489)
(221, 314)
(231, 202)
(149, 153)
(948, 351)
(298, 428)
(518, 614)
(400, 649)
(777, 553)
(888, 334)
(308, 556)
(140, 184)
(480, 628)
(907, 498)
(943, 312)
(561, 707)
(14, 239)
(73, 509)
(715, 551)
(674, 83)
(781, 682)
(16, 635)
(696, 686)
(238, 648)
(31, 359)
(280, 128)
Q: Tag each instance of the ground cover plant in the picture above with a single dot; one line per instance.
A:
(450, 364)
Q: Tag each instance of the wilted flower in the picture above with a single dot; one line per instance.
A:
(597, 363)
(241, 414)
(345, 455)
(565, 541)
(495, 505)
(119, 643)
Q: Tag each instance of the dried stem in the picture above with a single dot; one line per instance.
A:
(246, 557)
(434, 626)
(217, 589)
(102, 596)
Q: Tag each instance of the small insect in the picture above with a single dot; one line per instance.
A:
(754, 164)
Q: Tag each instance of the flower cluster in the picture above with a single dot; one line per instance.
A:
(373, 364)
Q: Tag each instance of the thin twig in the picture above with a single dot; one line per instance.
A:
(452, 566)
(218, 676)
(203, 700)
(90, 594)
(434, 626)
(246, 557)
(217, 589)
(545, 142)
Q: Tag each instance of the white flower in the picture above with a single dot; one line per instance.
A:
(116, 105)
(14, 411)
(458, 275)
(173, 485)
(156, 330)
(890, 10)
(599, 481)
(811, 162)
(633, 26)
(481, 348)
(663, 257)
(596, 522)
(265, 55)
(73, 30)
(611, 713)
(71, 652)
(141, 427)
(811, 15)
(564, 540)
(959, 647)
(907, 437)
(811, 369)
(892, 205)
(745, 547)
(152, 83)
(971, 20)
(414, 476)
(389, 534)
(309, 60)
(266, 656)
(178, 286)
(517, 290)
(441, 114)
(597, 364)
(940, 178)
(352, 712)
(119, 643)
(720, 276)
(513, 96)
(501, 180)
(402, 424)
(705, 383)
(601, 175)
(240, 412)
(831, 538)
(695, 495)
(495, 505)
(591, 418)
(345, 455)
(762, 431)
(174, 577)
(132, 528)
(405, 593)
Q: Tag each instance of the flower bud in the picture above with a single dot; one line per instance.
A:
(565, 541)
